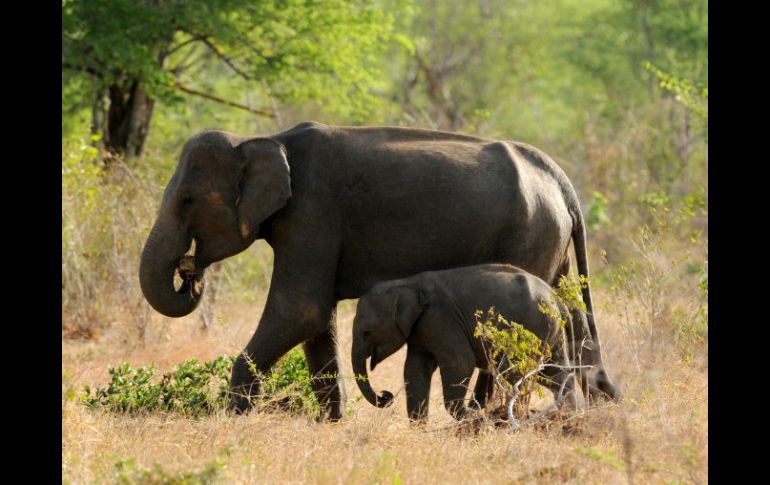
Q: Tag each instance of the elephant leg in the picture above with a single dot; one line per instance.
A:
(418, 371)
(454, 380)
(323, 360)
(482, 392)
(286, 322)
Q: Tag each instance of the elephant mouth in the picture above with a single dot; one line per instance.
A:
(374, 360)
(188, 277)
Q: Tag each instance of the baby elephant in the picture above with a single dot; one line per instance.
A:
(434, 313)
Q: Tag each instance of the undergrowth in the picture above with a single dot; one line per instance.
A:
(195, 388)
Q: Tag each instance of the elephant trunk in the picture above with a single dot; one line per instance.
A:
(163, 255)
(362, 379)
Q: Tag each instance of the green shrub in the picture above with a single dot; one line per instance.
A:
(515, 352)
(511, 340)
(289, 385)
(196, 388)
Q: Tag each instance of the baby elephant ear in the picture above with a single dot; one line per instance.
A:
(408, 306)
(264, 185)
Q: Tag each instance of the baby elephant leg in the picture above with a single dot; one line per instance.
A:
(418, 371)
(455, 380)
(482, 392)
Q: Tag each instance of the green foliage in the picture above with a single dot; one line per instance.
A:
(75, 105)
(516, 352)
(289, 385)
(597, 211)
(569, 291)
(686, 91)
(523, 349)
(196, 388)
(128, 472)
(301, 49)
(567, 295)
(192, 388)
(666, 213)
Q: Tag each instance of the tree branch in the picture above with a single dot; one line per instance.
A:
(182, 44)
(218, 53)
(183, 65)
(219, 100)
(227, 60)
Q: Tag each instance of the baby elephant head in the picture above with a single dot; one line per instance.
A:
(384, 320)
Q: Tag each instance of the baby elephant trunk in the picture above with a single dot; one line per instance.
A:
(362, 379)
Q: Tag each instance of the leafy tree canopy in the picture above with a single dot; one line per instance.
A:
(297, 49)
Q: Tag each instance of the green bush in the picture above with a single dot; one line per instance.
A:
(288, 386)
(517, 352)
(522, 348)
(196, 388)
(514, 352)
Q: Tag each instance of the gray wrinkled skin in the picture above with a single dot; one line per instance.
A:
(344, 208)
(434, 314)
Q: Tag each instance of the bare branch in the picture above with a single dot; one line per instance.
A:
(217, 99)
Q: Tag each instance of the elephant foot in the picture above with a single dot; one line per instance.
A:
(239, 402)
(328, 417)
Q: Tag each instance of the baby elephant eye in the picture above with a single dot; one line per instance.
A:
(367, 334)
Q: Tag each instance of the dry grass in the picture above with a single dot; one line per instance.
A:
(658, 435)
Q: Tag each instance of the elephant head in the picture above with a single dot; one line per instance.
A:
(224, 188)
(383, 322)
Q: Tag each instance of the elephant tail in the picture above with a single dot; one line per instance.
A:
(579, 241)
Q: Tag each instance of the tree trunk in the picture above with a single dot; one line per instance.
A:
(128, 119)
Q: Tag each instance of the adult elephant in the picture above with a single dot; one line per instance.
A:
(344, 208)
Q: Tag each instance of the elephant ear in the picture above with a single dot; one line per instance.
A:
(408, 305)
(265, 183)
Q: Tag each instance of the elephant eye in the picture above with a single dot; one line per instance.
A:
(367, 334)
(186, 200)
